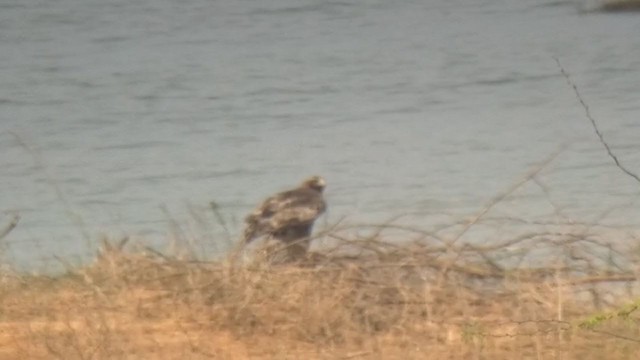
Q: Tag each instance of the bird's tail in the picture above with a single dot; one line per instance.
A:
(249, 234)
(252, 230)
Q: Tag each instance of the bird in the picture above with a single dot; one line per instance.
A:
(288, 217)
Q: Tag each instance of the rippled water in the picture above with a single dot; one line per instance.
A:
(131, 116)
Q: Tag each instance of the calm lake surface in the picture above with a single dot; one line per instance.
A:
(129, 117)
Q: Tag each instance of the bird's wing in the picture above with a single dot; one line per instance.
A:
(298, 214)
(306, 206)
(285, 201)
(290, 208)
(259, 221)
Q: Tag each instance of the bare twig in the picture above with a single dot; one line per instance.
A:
(10, 226)
(593, 122)
(498, 198)
(215, 208)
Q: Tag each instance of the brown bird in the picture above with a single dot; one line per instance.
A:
(289, 216)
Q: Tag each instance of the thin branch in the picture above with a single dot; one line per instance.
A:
(622, 337)
(14, 222)
(501, 196)
(593, 122)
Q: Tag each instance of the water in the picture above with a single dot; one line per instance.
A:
(129, 117)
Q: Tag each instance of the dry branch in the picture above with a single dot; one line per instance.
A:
(593, 122)
(10, 226)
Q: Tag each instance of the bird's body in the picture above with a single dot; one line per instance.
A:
(288, 216)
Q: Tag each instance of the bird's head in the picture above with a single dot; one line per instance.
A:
(315, 182)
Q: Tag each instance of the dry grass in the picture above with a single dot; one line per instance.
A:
(360, 298)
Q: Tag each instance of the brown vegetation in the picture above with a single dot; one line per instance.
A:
(358, 298)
